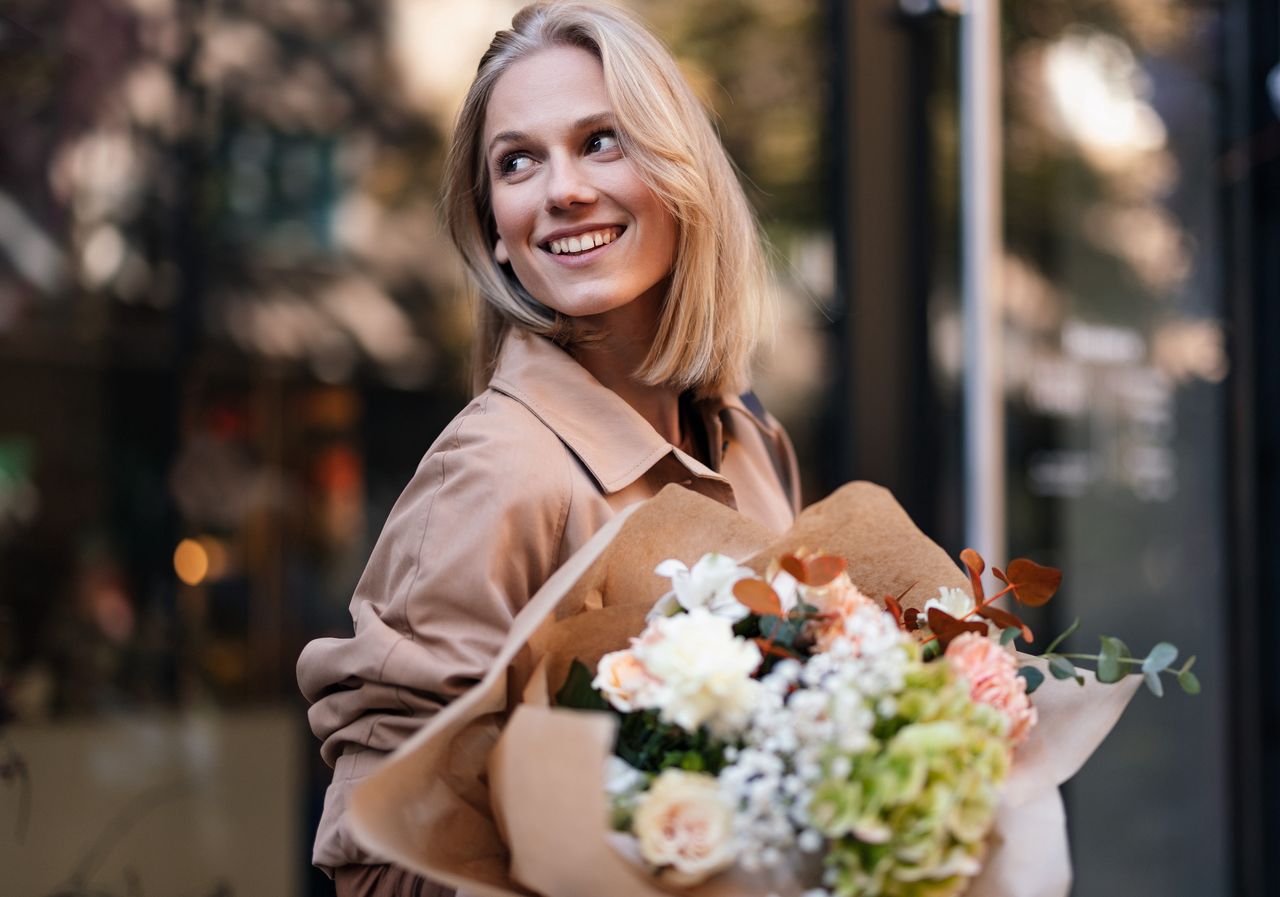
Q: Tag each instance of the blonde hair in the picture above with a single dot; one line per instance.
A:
(719, 304)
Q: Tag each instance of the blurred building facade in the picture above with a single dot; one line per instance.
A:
(230, 326)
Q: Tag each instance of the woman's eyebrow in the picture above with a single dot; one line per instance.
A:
(587, 121)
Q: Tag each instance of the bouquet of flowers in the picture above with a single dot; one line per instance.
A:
(766, 718)
(761, 727)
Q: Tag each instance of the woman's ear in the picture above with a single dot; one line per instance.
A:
(500, 252)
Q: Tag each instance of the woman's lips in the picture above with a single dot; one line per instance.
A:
(569, 258)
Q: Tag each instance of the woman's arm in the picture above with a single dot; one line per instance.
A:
(474, 534)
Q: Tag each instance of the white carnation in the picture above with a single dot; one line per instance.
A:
(703, 670)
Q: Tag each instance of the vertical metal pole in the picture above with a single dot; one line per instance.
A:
(982, 252)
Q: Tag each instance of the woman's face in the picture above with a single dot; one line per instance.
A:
(582, 232)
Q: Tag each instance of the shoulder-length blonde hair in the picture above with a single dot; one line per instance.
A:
(719, 304)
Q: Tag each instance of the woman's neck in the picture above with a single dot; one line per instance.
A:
(618, 354)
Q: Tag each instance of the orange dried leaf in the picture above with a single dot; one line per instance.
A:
(823, 569)
(792, 565)
(892, 606)
(947, 627)
(999, 574)
(1033, 584)
(1006, 620)
(975, 565)
(758, 597)
(767, 646)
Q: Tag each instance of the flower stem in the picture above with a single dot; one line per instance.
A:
(1136, 661)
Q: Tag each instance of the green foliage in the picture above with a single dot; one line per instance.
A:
(651, 745)
(785, 632)
(1115, 663)
(577, 693)
(1111, 667)
(1061, 668)
(1033, 676)
(1160, 657)
(1008, 636)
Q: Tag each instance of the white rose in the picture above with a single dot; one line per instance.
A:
(685, 826)
(709, 584)
(703, 670)
(955, 602)
(624, 681)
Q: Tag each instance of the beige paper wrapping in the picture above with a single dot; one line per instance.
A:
(500, 767)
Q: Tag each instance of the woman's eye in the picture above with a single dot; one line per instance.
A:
(602, 142)
(513, 163)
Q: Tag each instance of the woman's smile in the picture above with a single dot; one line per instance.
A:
(582, 231)
(581, 242)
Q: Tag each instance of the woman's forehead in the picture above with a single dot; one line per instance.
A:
(548, 91)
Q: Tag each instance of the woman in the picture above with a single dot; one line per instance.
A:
(623, 293)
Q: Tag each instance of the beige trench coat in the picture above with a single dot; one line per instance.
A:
(529, 470)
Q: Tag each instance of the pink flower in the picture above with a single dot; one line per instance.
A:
(992, 674)
(837, 602)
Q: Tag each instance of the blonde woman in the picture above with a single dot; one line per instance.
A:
(623, 292)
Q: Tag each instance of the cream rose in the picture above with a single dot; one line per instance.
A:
(685, 827)
(624, 681)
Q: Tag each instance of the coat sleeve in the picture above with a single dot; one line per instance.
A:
(474, 534)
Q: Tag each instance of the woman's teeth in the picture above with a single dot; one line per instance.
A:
(583, 242)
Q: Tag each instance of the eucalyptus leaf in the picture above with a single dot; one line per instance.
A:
(1189, 682)
(1061, 668)
(783, 631)
(1121, 646)
(1160, 657)
(1154, 685)
(1109, 667)
(1033, 676)
(1009, 635)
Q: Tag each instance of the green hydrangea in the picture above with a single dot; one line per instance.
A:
(908, 816)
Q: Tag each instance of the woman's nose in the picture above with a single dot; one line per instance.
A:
(568, 185)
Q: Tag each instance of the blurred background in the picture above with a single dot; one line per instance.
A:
(230, 326)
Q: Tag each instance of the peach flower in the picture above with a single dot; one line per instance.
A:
(685, 827)
(837, 601)
(624, 681)
(992, 674)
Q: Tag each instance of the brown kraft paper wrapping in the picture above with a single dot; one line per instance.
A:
(502, 794)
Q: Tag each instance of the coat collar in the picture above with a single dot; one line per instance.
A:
(611, 439)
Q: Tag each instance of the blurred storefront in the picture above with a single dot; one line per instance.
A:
(230, 327)
(1136, 295)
